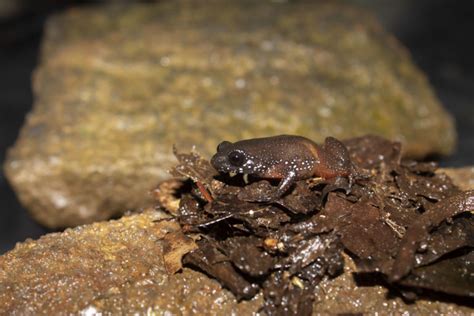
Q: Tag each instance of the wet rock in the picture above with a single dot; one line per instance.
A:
(118, 85)
(117, 267)
(114, 267)
(464, 177)
(366, 298)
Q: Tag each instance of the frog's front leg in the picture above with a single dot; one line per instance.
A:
(283, 187)
(285, 184)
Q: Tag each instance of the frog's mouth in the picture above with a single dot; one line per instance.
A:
(245, 176)
(222, 165)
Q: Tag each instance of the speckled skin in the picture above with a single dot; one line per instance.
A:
(286, 157)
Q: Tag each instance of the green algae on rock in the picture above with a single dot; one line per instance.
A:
(118, 85)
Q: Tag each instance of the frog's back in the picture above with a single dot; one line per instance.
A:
(276, 146)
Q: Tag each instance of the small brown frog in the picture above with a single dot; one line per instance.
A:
(284, 157)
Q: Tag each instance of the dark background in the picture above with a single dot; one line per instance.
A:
(439, 35)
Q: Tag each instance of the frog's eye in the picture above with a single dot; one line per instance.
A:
(236, 158)
(223, 145)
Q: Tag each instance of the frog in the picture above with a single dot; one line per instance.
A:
(288, 158)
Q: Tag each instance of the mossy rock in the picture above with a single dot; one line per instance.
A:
(117, 86)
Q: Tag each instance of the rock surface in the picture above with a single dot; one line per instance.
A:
(116, 267)
(463, 177)
(117, 86)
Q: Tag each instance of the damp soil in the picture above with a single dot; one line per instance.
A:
(405, 225)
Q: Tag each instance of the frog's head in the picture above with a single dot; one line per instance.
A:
(235, 158)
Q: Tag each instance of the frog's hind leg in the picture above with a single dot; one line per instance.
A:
(338, 156)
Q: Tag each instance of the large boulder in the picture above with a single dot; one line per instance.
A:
(117, 86)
